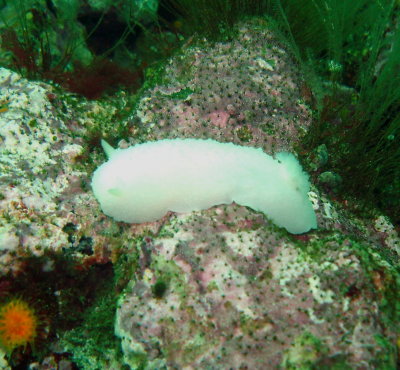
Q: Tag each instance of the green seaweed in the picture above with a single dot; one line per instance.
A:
(93, 344)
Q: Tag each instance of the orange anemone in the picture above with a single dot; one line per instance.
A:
(18, 324)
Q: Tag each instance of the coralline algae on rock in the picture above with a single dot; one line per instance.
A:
(222, 291)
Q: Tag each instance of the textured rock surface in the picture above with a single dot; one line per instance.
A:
(245, 91)
(41, 186)
(222, 291)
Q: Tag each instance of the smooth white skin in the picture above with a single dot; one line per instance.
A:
(144, 182)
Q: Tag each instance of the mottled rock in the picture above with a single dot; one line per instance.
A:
(245, 91)
(224, 290)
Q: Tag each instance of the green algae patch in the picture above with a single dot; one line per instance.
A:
(304, 352)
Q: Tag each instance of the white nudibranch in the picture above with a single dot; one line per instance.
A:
(142, 183)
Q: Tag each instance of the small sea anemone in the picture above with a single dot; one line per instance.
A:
(18, 324)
